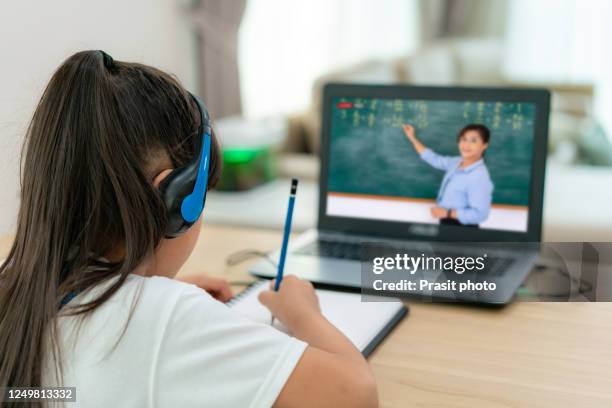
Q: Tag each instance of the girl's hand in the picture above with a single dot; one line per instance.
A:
(218, 288)
(439, 212)
(293, 304)
(409, 131)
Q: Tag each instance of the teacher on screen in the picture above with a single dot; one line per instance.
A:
(466, 191)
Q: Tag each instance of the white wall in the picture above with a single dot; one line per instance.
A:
(36, 36)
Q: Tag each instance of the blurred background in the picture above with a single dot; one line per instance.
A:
(260, 65)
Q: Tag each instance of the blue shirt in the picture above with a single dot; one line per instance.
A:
(468, 190)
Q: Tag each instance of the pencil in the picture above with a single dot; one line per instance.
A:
(283, 254)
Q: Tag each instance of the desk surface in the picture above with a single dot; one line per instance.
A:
(525, 355)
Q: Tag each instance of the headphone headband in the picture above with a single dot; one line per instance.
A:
(205, 125)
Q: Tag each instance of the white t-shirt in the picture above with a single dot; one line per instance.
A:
(181, 348)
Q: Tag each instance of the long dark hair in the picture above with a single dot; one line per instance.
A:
(84, 191)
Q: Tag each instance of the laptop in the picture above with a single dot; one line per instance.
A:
(377, 190)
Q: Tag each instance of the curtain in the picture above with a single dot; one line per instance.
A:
(459, 18)
(217, 23)
(563, 41)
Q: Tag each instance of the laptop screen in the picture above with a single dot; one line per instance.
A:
(451, 162)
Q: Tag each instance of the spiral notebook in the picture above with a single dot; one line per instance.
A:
(366, 324)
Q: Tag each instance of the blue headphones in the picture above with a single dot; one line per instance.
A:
(183, 191)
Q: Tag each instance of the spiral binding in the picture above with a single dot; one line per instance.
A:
(245, 292)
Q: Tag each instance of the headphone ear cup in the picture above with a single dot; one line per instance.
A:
(173, 189)
(183, 191)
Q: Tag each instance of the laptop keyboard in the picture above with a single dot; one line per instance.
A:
(327, 248)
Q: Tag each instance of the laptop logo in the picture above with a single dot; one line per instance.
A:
(427, 230)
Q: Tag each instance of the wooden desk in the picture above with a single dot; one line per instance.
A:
(525, 355)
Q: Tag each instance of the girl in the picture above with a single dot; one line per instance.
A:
(87, 298)
(466, 192)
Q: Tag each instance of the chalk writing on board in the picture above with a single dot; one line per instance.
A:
(367, 132)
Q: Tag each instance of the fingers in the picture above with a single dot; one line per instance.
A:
(288, 278)
(213, 283)
(218, 288)
(408, 129)
(225, 292)
(268, 298)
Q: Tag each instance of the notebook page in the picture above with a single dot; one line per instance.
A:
(359, 321)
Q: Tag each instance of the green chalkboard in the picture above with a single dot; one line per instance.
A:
(369, 153)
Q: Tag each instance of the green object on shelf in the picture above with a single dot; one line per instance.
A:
(240, 155)
(246, 167)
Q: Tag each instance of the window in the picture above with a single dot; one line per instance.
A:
(286, 44)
